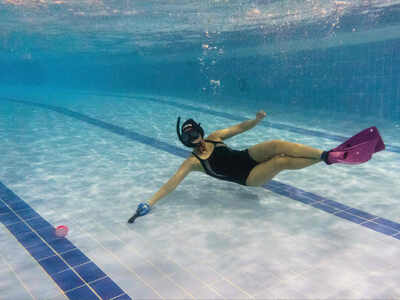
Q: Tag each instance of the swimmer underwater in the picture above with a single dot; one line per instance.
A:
(260, 163)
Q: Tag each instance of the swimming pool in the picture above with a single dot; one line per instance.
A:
(88, 134)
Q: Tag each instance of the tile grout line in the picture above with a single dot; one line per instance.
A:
(190, 272)
(56, 253)
(78, 287)
(44, 242)
(154, 266)
(120, 262)
(18, 278)
(61, 253)
(295, 273)
(117, 296)
(75, 266)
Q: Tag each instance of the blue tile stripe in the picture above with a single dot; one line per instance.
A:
(76, 275)
(354, 215)
(365, 219)
(265, 123)
(110, 127)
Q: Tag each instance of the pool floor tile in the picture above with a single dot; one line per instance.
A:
(90, 272)
(82, 293)
(41, 251)
(19, 206)
(75, 257)
(3, 208)
(123, 297)
(53, 265)
(67, 280)
(106, 288)
(29, 240)
(9, 218)
(61, 245)
(38, 223)
(19, 228)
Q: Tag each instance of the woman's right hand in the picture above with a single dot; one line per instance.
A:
(261, 115)
(142, 210)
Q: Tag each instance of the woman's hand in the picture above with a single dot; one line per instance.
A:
(142, 210)
(260, 115)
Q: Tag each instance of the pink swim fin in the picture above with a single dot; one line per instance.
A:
(356, 150)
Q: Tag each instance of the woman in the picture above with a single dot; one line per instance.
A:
(259, 163)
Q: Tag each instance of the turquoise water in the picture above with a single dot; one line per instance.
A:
(90, 93)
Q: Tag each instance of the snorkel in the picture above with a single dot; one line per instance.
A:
(187, 137)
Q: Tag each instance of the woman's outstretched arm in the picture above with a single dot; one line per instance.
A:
(173, 182)
(229, 132)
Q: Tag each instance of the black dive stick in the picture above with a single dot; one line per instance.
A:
(133, 218)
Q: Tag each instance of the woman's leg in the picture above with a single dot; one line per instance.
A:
(265, 171)
(266, 150)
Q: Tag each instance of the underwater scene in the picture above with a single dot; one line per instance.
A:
(279, 181)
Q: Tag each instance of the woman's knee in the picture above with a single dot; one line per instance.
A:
(282, 147)
(274, 144)
(281, 161)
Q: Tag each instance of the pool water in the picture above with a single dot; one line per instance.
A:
(87, 132)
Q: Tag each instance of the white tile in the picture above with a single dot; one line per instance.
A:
(34, 278)
(282, 290)
(40, 283)
(204, 273)
(152, 276)
(196, 288)
(252, 277)
(122, 275)
(126, 280)
(322, 282)
(380, 284)
(10, 286)
(129, 243)
(229, 290)
(59, 297)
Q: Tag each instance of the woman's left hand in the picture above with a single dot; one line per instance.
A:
(261, 115)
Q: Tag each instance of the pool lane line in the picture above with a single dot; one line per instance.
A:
(265, 123)
(354, 215)
(74, 273)
(110, 127)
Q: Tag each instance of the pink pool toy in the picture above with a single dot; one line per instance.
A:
(61, 231)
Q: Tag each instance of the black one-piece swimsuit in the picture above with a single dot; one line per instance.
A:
(228, 164)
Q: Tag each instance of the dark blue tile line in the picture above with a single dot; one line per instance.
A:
(351, 214)
(70, 269)
(354, 215)
(265, 123)
(110, 127)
